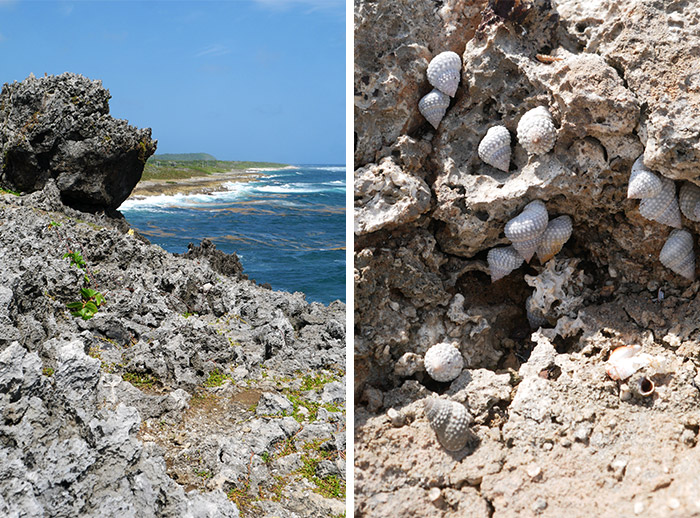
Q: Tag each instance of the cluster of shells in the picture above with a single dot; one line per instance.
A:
(658, 202)
(623, 366)
(443, 74)
(531, 233)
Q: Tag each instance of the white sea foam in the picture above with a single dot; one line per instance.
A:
(233, 191)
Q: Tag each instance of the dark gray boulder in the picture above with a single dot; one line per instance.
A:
(59, 127)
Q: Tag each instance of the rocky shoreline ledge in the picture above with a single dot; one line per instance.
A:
(134, 382)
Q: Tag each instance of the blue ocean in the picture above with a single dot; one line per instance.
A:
(287, 227)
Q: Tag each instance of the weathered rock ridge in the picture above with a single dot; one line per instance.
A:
(134, 382)
(620, 80)
(59, 127)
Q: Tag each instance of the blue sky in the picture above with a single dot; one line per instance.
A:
(256, 80)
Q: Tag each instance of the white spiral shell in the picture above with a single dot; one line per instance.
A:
(444, 71)
(450, 421)
(503, 260)
(689, 201)
(643, 183)
(536, 131)
(664, 206)
(625, 361)
(557, 233)
(525, 230)
(443, 362)
(678, 255)
(494, 148)
(433, 106)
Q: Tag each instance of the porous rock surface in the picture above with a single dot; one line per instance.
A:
(149, 407)
(555, 436)
(59, 127)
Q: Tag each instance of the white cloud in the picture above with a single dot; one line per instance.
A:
(213, 50)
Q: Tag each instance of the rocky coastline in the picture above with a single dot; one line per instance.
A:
(556, 434)
(134, 382)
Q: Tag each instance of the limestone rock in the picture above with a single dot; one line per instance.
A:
(59, 127)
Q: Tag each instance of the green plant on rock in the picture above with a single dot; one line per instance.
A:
(88, 306)
(76, 259)
(139, 380)
(216, 379)
(47, 371)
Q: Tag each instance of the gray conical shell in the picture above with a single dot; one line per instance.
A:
(450, 421)
(643, 182)
(536, 131)
(444, 71)
(503, 260)
(689, 201)
(678, 255)
(664, 206)
(525, 230)
(557, 233)
(433, 106)
(494, 148)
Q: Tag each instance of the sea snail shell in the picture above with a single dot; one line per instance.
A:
(525, 230)
(536, 131)
(535, 317)
(433, 106)
(625, 361)
(494, 148)
(689, 201)
(664, 206)
(444, 71)
(503, 260)
(643, 183)
(557, 233)
(678, 255)
(443, 362)
(450, 421)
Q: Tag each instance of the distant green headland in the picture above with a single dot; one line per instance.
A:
(176, 166)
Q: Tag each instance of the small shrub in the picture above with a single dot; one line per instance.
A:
(88, 307)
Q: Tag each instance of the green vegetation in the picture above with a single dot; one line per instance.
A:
(139, 380)
(88, 306)
(216, 379)
(8, 191)
(47, 371)
(188, 165)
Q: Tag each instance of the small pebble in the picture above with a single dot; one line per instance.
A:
(638, 507)
(673, 503)
(583, 432)
(539, 505)
(434, 494)
(547, 446)
(396, 418)
(534, 471)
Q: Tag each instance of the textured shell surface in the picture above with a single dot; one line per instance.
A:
(689, 201)
(557, 233)
(535, 317)
(444, 71)
(678, 255)
(644, 183)
(494, 148)
(536, 131)
(526, 229)
(433, 106)
(443, 362)
(664, 206)
(450, 421)
(503, 260)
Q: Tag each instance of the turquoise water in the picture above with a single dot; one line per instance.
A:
(287, 227)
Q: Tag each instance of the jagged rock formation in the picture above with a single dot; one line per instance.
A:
(146, 404)
(59, 127)
(428, 210)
